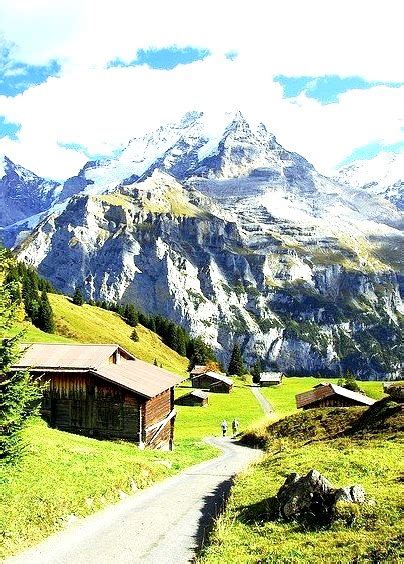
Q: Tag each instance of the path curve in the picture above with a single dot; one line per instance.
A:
(164, 524)
(264, 403)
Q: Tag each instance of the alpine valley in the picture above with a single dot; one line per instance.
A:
(232, 236)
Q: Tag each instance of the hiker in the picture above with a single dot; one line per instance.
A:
(224, 427)
(235, 426)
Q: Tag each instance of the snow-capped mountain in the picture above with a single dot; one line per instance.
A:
(228, 233)
(381, 176)
(23, 193)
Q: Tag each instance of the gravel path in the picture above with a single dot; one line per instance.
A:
(163, 524)
(264, 403)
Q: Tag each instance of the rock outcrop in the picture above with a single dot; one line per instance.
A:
(311, 499)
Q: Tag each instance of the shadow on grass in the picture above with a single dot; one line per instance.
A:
(214, 504)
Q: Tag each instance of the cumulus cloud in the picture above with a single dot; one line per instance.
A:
(100, 108)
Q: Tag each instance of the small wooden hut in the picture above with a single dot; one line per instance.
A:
(270, 378)
(331, 395)
(213, 381)
(103, 391)
(194, 398)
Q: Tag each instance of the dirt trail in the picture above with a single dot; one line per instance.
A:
(264, 403)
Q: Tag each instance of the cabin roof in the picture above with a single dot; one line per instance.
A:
(135, 375)
(198, 370)
(197, 394)
(139, 376)
(220, 377)
(271, 376)
(324, 390)
(60, 355)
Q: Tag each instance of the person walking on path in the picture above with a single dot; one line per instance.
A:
(224, 427)
(235, 426)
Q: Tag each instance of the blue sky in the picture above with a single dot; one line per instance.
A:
(79, 78)
(164, 59)
(326, 89)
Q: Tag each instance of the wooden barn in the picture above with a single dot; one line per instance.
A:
(270, 379)
(194, 398)
(212, 381)
(331, 395)
(103, 391)
(198, 370)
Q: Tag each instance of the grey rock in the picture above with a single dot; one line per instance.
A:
(311, 498)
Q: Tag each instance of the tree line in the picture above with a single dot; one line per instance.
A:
(172, 334)
(28, 288)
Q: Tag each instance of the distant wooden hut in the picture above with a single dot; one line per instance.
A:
(103, 391)
(331, 395)
(270, 378)
(194, 398)
(198, 370)
(213, 381)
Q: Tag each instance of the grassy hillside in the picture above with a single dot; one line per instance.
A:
(64, 476)
(342, 445)
(197, 422)
(91, 324)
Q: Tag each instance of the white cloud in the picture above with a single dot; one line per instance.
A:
(101, 108)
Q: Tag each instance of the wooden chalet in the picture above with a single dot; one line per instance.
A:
(331, 395)
(194, 398)
(213, 381)
(198, 370)
(103, 391)
(270, 379)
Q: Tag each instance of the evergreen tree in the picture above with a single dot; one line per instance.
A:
(199, 352)
(45, 320)
(130, 315)
(78, 298)
(19, 396)
(236, 364)
(256, 371)
(134, 336)
(181, 342)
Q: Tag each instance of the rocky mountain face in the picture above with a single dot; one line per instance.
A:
(382, 176)
(23, 193)
(237, 239)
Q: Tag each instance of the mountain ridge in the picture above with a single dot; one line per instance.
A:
(238, 240)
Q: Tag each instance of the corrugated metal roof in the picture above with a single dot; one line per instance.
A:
(50, 355)
(271, 376)
(139, 376)
(323, 390)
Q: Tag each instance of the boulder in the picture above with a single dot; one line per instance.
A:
(311, 498)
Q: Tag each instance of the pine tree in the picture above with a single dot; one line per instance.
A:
(199, 353)
(45, 320)
(181, 342)
(78, 298)
(130, 315)
(236, 364)
(19, 395)
(256, 371)
(134, 336)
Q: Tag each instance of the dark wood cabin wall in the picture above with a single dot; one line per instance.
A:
(157, 408)
(203, 381)
(334, 401)
(85, 404)
(221, 388)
